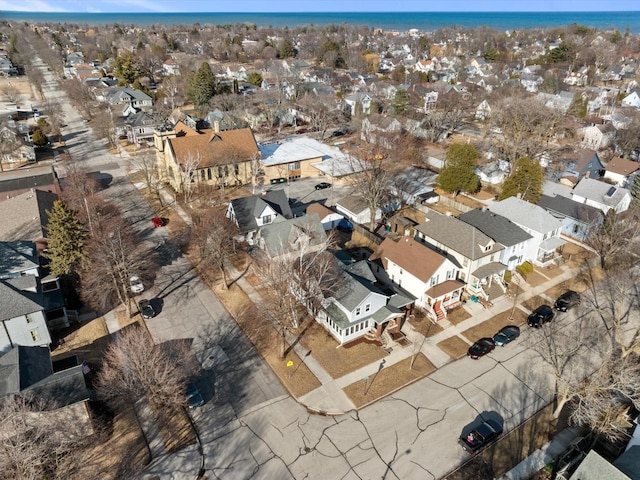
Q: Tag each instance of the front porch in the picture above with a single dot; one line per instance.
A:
(442, 298)
(488, 281)
(549, 252)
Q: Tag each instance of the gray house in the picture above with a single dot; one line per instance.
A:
(577, 218)
(301, 234)
(586, 164)
(251, 213)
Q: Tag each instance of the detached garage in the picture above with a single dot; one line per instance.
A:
(328, 217)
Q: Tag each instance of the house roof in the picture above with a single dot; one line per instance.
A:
(525, 214)
(22, 367)
(296, 149)
(62, 388)
(410, 255)
(496, 226)
(629, 463)
(444, 288)
(24, 216)
(322, 211)
(458, 236)
(595, 467)
(622, 166)
(284, 237)
(216, 148)
(569, 208)
(584, 157)
(600, 192)
(17, 256)
(353, 204)
(247, 209)
(16, 303)
(357, 283)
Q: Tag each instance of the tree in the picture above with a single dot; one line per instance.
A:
(320, 114)
(457, 174)
(189, 174)
(254, 78)
(628, 138)
(526, 179)
(104, 127)
(213, 236)
(134, 367)
(613, 236)
(127, 68)
(66, 240)
(147, 163)
(286, 49)
(10, 93)
(400, 102)
(635, 193)
(202, 86)
(39, 139)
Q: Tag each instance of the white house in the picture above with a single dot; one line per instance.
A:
(359, 102)
(356, 209)
(328, 217)
(601, 195)
(543, 227)
(251, 213)
(621, 171)
(632, 100)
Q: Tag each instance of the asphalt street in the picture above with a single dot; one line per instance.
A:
(251, 428)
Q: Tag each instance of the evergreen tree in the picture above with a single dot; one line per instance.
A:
(254, 78)
(400, 101)
(66, 240)
(458, 171)
(202, 86)
(39, 139)
(286, 49)
(126, 68)
(526, 179)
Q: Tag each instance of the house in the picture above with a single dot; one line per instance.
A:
(595, 467)
(577, 219)
(597, 137)
(621, 171)
(357, 210)
(211, 157)
(358, 103)
(380, 130)
(328, 218)
(632, 99)
(493, 173)
(514, 239)
(531, 81)
(476, 254)
(409, 184)
(545, 229)
(483, 111)
(427, 275)
(359, 308)
(251, 213)
(601, 195)
(37, 177)
(17, 147)
(139, 128)
(24, 217)
(126, 95)
(587, 164)
(292, 237)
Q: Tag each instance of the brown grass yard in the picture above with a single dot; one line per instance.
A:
(574, 255)
(534, 302)
(297, 379)
(455, 347)
(490, 327)
(534, 279)
(458, 315)
(88, 342)
(388, 380)
(175, 428)
(424, 325)
(337, 361)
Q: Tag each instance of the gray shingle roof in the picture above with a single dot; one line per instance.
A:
(15, 303)
(496, 226)
(22, 367)
(281, 237)
(17, 256)
(247, 209)
(569, 208)
(526, 215)
(601, 192)
(458, 236)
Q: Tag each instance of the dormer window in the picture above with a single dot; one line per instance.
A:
(266, 219)
(487, 248)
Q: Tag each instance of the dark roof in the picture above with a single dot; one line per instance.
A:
(247, 209)
(17, 257)
(496, 226)
(23, 180)
(62, 388)
(17, 303)
(569, 208)
(21, 367)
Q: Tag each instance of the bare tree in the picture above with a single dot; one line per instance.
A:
(147, 163)
(213, 236)
(77, 188)
(189, 174)
(613, 237)
(114, 252)
(80, 95)
(319, 112)
(134, 367)
(55, 116)
(628, 138)
(11, 93)
(104, 126)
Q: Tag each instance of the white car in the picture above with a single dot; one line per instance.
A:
(136, 284)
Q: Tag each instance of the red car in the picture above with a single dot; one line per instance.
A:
(158, 222)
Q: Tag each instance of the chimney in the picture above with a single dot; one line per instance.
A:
(216, 127)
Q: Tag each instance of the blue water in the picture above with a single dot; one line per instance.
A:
(402, 21)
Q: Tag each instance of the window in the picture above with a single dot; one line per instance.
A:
(357, 311)
(400, 271)
(294, 166)
(367, 307)
(465, 262)
(49, 286)
(487, 248)
(226, 170)
(209, 176)
(266, 219)
(202, 174)
(449, 274)
(29, 318)
(576, 228)
(236, 169)
(35, 336)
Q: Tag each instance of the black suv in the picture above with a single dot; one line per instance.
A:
(542, 314)
(146, 309)
(567, 300)
(481, 436)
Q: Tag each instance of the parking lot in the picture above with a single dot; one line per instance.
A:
(302, 193)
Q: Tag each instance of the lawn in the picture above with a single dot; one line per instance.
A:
(338, 361)
(455, 347)
(88, 342)
(534, 279)
(574, 255)
(534, 302)
(424, 325)
(267, 341)
(458, 315)
(175, 428)
(388, 380)
(490, 327)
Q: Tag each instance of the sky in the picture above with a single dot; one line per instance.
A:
(325, 6)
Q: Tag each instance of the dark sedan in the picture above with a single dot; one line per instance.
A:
(506, 334)
(194, 397)
(481, 348)
(567, 300)
(146, 309)
(542, 314)
(481, 436)
(322, 185)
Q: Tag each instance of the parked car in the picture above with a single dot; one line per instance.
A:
(481, 348)
(506, 334)
(323, 185)
(194, 397)
(136, 284)
(567, 300)
(345, 225)
(146, 309)
(278, 180)
(481, 436)
(158, 222)
(542, 314)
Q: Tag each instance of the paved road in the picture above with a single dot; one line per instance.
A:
(251, 429)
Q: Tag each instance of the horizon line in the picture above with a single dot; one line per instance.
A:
(321, 11)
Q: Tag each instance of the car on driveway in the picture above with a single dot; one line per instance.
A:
(506, 334)
(481, 348)
(146, 309)
(158, 222)
(481, 436)
(194, 397)
(322, 185)
(542, 314)
(136, 284)
(567, 300)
